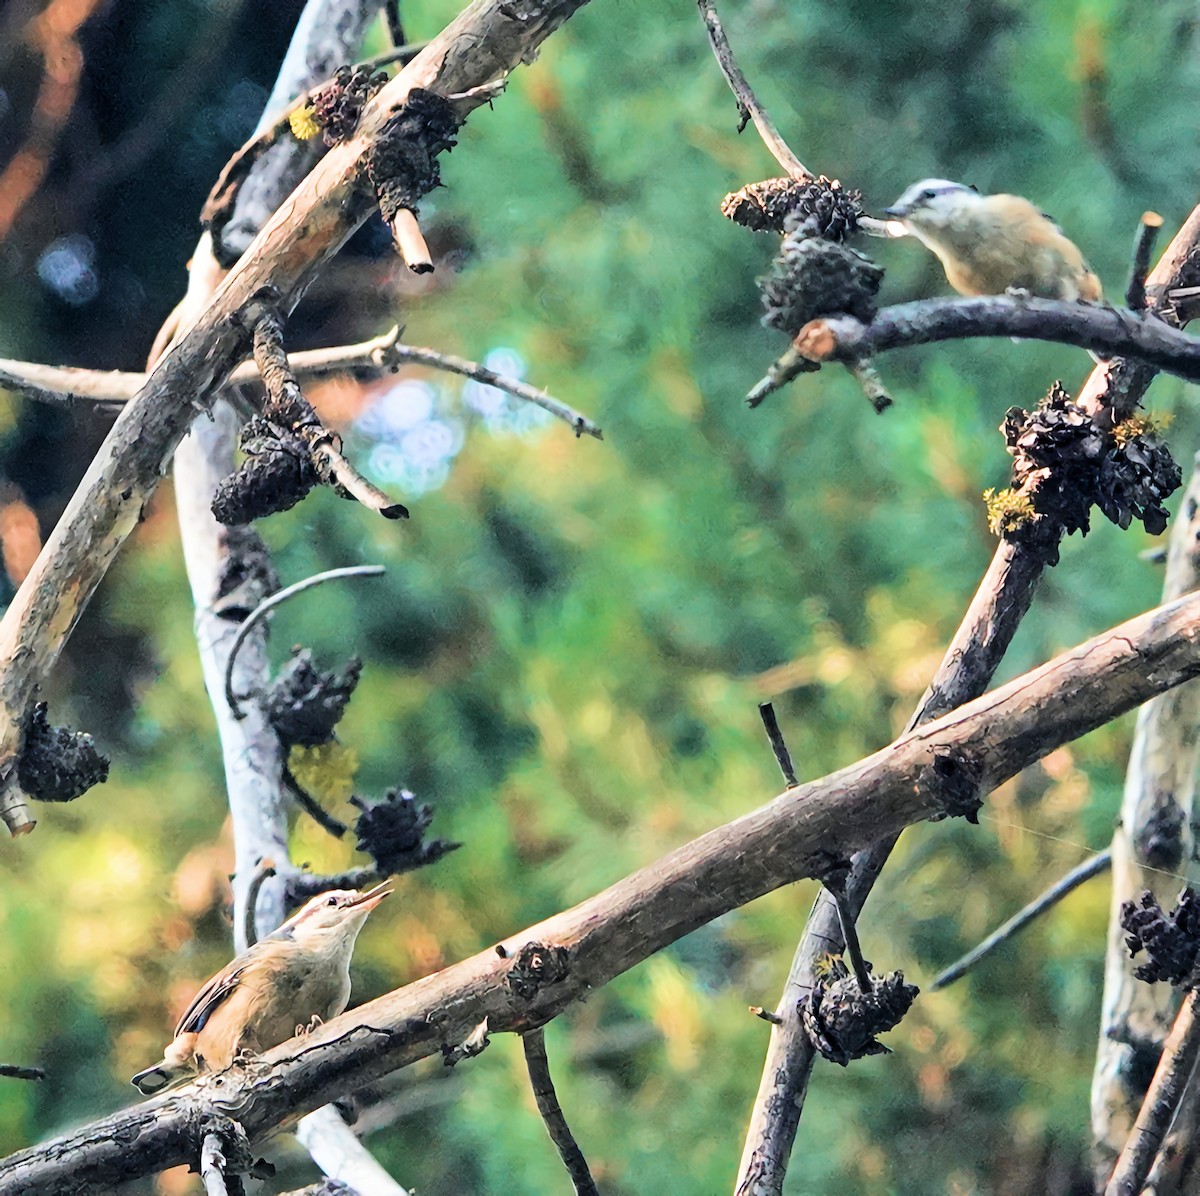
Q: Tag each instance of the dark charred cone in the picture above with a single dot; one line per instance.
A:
(535, 966)
(276, 474)
(1066, 462)
(1170, 938)
(402, 164)
(338, 105)
(58, 764)
(304, 704)
(822, 206)
(812, 278)
(392, 832)
(842, 1021)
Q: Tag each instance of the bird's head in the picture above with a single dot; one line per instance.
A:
(933, 203)
(333, 916)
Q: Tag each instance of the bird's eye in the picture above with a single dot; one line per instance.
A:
(331, 901)
(928, 193)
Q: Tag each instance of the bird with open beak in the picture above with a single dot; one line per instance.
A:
(990, 244)
(284, 982)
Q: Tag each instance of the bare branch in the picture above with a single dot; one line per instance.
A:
(1093, 866)
(1135, 291)
(13, 1072)
(1179, 1057)
(749, 109)
(766, 711)
(68, 386)
(534, 1042)
(791, 837)
(1110, 330)
(337, 1151)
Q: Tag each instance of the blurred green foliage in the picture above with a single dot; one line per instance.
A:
(568, 647)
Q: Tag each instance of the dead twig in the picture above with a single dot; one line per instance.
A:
(534, 1042)
(749, 109)
(766, 711)
(1135, 291)
(1092, 866)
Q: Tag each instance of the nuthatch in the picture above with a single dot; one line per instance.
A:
(289, 979)
(989, 244)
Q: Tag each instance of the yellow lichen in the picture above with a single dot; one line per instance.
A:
(1007, 511)
(303, 123)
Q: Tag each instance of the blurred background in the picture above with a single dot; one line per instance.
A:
(567, 651)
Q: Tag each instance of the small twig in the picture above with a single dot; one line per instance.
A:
(212, 1166)
(266, 869)
(850, 937)
(269, 604)
(304, 885)
(410, 242)
(749, 109)
(782, 371)
(311, 806)
(1135, 292)
(534, 1042)
(766, 711)
(1179, 1056)
(286, 404)
(767, 1015)
(1090, 867)
(867, 376)
(13, 1072)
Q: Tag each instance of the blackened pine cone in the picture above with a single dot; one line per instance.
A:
(276, 474)
(1066, 462)
(338, 105)
(403, 163)
(58, 764)
(842, 1021)
(392, 832)
(304, 704)
(812, 278)
(821, 205)
(1170, 938)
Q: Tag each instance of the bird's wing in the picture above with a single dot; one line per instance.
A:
(217, 989)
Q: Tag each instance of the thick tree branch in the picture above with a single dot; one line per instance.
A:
(543, 969)
(490, 38)
(1113, 331)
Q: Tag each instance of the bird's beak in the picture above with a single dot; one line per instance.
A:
(371, 898)
(897, 212)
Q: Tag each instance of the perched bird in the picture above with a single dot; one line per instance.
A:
(989, 244)
(289, 979)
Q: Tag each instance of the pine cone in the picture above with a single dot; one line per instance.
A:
(779, 205)
(58, 764)
(841, 1020)
(304, 704)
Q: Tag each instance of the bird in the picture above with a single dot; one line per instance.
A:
(296, 977)
(991, 244)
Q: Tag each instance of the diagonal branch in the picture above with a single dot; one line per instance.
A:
(749, 109)
(563, 959)
(488, 39)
